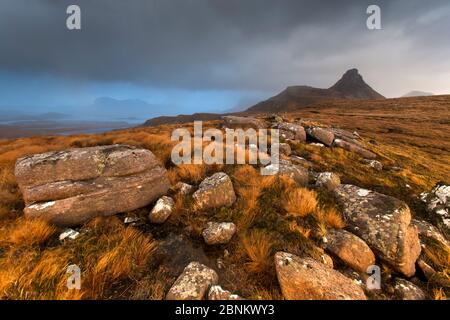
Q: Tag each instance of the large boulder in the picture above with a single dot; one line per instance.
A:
(355, 148)
(292, 131)
(323, 135)
(193, 283)
(352, 250)
(70, 187)
(214, 192)
(308, 279)
(438, 205)
(383, 222)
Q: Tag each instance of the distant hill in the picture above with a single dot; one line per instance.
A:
(416, 93)
(350, 86)
(182, 118)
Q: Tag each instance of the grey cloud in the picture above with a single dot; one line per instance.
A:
(225, 44)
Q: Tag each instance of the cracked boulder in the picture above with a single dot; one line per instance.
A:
(308, 279)
(70, 187)
(193, 283)
(384, 223)
(214, 192)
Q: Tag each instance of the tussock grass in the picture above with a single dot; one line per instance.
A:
(258, 246)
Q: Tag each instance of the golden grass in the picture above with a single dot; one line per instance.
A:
(258, 248)
(28, 232)
(300, 202)
(330, 217)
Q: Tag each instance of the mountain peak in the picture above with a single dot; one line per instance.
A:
(353, 86)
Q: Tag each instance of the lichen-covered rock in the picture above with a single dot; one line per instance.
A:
(214, 192)
(285, 168)
(438, 205)
(292, 131)
(70, 187)
(405, 290)
(383, 222)
(352, 250)
(323, 135)
(308, 279)
(328, 180)
(218, 232)
(193, 283)
(355, 148)
(217, 293)
(162, 210)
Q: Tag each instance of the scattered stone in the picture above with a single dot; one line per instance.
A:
(183, 188)
(214, 192)
(315, 144)
(217, 293)
(405, 290)
(218, 233)
(352, 147)
(162, 210)
(233, 121)
(131, 220)
(193, 283)
(307, 279)
(438, 205)
(69, 234)
(328, 180)
(292, 131)
(70, 187)
(321, 134)
(383, 222)
(285, 149)
(375, 164)
(352, 250)
(285, 168)
(301, 161)
(427, 230)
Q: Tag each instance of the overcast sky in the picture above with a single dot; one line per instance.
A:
(183, 56)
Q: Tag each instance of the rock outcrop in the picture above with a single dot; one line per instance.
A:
(214, 192)
(321, 134)
(292, 131)
(383, 222)
(193, 283)
(70, 187)
(307, 279)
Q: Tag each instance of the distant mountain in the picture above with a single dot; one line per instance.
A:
(350, 86)
(416, 93)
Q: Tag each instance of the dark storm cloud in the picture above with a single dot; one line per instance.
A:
(224, 44)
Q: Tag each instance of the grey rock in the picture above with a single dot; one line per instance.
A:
(218, 232)
(162, 210)
(214, 192)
